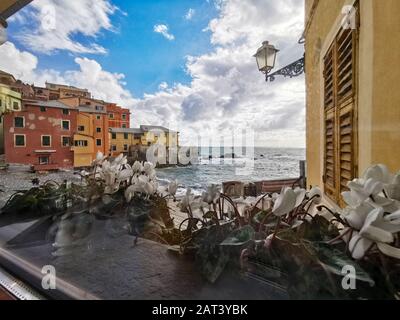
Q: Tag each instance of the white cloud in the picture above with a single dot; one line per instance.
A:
(163, 85)
(102, 84)
(53, 25)
(164, 30)
(189, 15)
(227, 91)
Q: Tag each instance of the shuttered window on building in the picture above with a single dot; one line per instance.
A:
(340, 114)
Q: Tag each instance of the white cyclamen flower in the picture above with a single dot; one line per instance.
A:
(316, 194)
(285, 202)
(173, 187)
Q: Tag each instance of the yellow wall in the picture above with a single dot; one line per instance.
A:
(7, 99)
(120, 141)
(378, 82)
(84, 155)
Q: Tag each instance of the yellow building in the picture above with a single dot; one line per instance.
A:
(91, 136)
(122, 138)
(353, 97)
(9, 101)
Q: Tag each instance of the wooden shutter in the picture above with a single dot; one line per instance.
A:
(346, 42)
(339, 111)
(329, 125)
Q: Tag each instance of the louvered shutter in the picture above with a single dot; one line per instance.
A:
(345, 106)
(329, 125)
(339, 114)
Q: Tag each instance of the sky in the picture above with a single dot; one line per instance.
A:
(184, 64)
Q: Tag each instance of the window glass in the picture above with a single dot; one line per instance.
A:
(19, 122)
(46, 141)
(19, 140)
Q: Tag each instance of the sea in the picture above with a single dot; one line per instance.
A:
(217, 165)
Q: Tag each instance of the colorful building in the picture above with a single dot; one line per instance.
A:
(90, 137)
(9, 101)
(352, 100)
(40, 135)
(121, 139)
(118, 117)
(60, 91)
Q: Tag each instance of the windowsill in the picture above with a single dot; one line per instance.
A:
(111, 267)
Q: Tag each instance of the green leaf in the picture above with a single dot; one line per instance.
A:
(240, 236)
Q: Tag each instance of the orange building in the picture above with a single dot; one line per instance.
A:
(118, 117)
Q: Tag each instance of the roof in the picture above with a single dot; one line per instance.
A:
(3, 73)
(49, 84)
(90, 110)
(126, 130)
(49, 104)
(158, 128)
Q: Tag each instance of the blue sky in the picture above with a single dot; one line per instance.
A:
(145, 57)
(193, 74)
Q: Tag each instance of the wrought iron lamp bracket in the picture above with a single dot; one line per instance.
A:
(292, 70)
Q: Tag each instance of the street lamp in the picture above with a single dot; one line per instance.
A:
(3, 31)
(266, 57)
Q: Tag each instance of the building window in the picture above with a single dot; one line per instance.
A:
(98, 142)
(44, 160)
(111, 115)
(42, 109)
(19, 122)
(114, 148)
(46, 141)
(65, 124)
(81, 128)
(16, 105)
(98, 129)
(66, 141)
(339, 114)
(125, 136)
(113, 135)
(87, 103)
(124, 125)
(99, 108)
(19, 140)
(98, 117)
(81, 143)
(1, 102)
(123, 116)
(66, 112)
(125, 147)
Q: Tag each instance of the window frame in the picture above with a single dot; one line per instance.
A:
(62, 142)
(23, 121)
(101, 142)
(50, 140)
(15, 140)
(69, 125)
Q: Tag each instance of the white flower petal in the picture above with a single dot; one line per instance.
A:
(389, 250)
(358, 246)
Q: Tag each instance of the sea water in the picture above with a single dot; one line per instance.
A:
(264, 164)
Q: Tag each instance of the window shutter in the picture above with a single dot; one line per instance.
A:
(340, 115)
(329, 124)
(345, 105)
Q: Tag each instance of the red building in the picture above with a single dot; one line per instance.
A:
(118, 117)
(41, 135)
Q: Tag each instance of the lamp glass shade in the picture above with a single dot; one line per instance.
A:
(266, 57)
